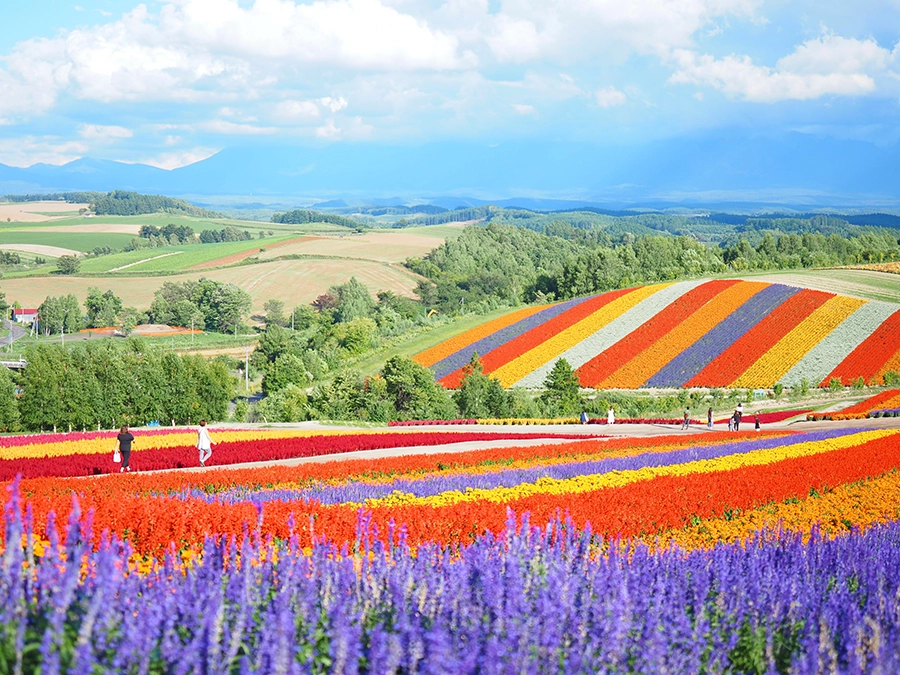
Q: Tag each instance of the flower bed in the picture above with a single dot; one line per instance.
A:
(399, 563)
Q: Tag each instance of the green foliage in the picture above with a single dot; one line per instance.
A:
(287, 369)
(103, 309)
(241, 410)
(481, 396)
(290, 404)
(274, 310)
(67, 264)
(892, 378)
(122, 203)
(352, 301)
(778, 389)
(859, 383)
(101, 381)
(169, 234)
(210, 304)
(412, 393)
(58, 314)
(562, 391)
(9, 410)
(304, 216)
(229, 233)
(834, 384)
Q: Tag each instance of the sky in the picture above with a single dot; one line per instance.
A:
(172, 82)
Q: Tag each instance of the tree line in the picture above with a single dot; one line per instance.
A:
(124, 203)
(107, 384)
(304, 216)
(495, 264)
(204, 304)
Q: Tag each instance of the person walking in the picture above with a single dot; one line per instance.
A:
(756, 420)
(686, 424)
(709, 418)
(204, 443)
(124, 440)
(584, 417)
(611, 416)
(731, 423)
(737, 418)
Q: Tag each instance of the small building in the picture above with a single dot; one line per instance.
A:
(24, 315)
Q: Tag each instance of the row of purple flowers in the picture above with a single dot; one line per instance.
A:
(532, 600)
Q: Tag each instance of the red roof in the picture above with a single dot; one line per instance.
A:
(23, 310)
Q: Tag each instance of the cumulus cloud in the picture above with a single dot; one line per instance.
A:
(523, 109)
(568, 30)
(609, 97)
(829, 65)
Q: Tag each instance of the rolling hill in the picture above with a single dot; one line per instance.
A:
(715, 333)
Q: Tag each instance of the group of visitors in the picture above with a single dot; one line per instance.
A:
(610, 416)
(125, 438)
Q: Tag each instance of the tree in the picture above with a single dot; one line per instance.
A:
(481, 396)
(285, 370)
(103, 309)
(412, 391)
(562, 390)
(274, 310)
(68, 264)
(9, 411)
(353, 301)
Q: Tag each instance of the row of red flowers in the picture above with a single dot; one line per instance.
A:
(239, 452)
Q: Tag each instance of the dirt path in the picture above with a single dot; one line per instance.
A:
(141, 262)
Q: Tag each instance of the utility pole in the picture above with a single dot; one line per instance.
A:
(192, 332)
(247, 368)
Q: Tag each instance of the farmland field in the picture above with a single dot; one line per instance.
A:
(293, 281)
(78, 241)
(866, 284)
(35, 212)
(389, 246)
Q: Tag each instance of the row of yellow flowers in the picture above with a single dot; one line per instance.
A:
(861, 504)
(788, 351)
(612, 479)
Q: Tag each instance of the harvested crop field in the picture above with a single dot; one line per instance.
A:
(40, 249)
(292, 281)
(36, 212)
(385, 246)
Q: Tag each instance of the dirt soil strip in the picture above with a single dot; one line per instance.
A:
(52, 251)
(243, 255)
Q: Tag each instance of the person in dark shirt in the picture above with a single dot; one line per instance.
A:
(125, 439)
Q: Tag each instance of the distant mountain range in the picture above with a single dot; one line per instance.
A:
(724, 171)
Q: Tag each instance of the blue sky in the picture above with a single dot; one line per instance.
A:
(172, 82)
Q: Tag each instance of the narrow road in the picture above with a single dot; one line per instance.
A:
(15, 332)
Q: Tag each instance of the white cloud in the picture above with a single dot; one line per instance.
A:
(569, 30)
(30, 150)
(329, 131)
(102, 133)
(523, 109)
(296, 111)
(609, 97)
(334, 104)
(235, 128)
(829, 65)
(174, 160)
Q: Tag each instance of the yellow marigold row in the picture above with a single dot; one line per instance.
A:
(92, 446)
(612, 479)
(861, 504)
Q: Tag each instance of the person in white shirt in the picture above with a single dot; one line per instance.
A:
(204, 443)
(611, 416)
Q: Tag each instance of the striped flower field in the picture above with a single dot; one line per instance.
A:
(720, 333)
(689, 553)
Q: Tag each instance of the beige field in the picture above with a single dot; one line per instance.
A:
(103, 228)
(865, 284)
(292, 281)
(41, 249)
(32, 212)
(385, 246)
